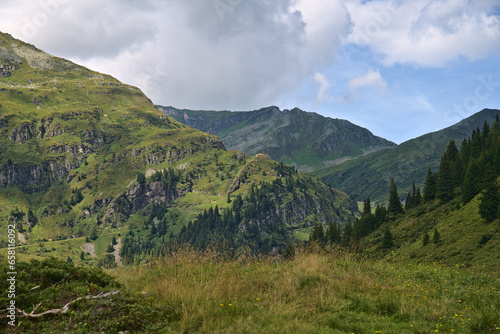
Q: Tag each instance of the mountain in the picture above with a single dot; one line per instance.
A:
(303, 139)
(408, 162)
(86, 159)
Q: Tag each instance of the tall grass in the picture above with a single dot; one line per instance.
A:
(316, 292)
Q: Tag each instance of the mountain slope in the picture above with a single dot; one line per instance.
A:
(83, 154)
(368, 176)
(303, 139)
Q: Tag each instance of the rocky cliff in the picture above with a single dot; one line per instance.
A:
(82, 152)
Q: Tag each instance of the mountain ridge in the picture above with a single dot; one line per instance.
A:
(304, 139)
(406, 163)
(82, 154)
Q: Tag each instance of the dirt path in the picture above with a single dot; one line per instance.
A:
(89, 248)
(116, 251)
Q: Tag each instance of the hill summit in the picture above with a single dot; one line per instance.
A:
(303, 139)
(87, 159)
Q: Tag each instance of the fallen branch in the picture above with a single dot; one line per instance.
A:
(65, 308)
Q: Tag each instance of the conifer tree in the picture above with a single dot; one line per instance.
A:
(141, 178)
(333, 233)
(318, 234)
(489, 206)
(472, 178)
(409, 202)
(395, 206)
(387, 242)
(425, 239)
(418, 197)
(347, 235)
(430, 186)
(380, 215)
(436, 238)
(367, 207)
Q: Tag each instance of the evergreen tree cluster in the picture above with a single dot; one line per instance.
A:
(254, 220)
(414, 198)
(168, 178)
(213, 225)
(469, 171)
(331, 236)
(463, 174)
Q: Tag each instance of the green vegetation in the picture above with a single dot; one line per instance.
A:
(201, 239)
(84, 156)
(407, 163)
(316, 292)
(455, 221)
(306, 140)
(61, 298)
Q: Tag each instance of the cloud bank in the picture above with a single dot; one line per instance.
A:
(240, 55)
(223, 54)
(426, 33)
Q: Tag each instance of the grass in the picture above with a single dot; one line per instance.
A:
(465, 238)
(316, 292)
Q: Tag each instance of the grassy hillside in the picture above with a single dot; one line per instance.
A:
(325, 292)
(465, 238)
(368, 176)
(303, 139)
(81, 154)
(315, 292)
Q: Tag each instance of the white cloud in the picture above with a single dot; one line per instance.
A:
(193, 54)
(323, 83)
(424, 32)
(370, 79)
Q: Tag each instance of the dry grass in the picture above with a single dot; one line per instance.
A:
(316, 292)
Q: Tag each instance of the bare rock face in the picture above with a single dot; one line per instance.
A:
(141, 195)
(6, 70)
(31, 179)
(22, 133)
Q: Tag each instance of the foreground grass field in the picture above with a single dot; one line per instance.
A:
(315, 292)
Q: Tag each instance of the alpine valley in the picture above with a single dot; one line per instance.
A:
(83, 154)
(133, 218)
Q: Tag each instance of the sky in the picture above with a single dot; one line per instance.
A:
(398, 68)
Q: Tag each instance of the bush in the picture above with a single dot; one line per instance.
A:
(485, 238)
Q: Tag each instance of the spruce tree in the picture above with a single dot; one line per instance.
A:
(430, 186)
(347, 235)
(436, 238)
(333, 233)
(395, 206)
(418, 197)
(425, 239)
(141, 178)
(387, 241)
(409, 202)
(445, 183)
(472, 178)
(450, 173)
(318, 234)
(489, 206)
(367, 207)
(380, 215)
